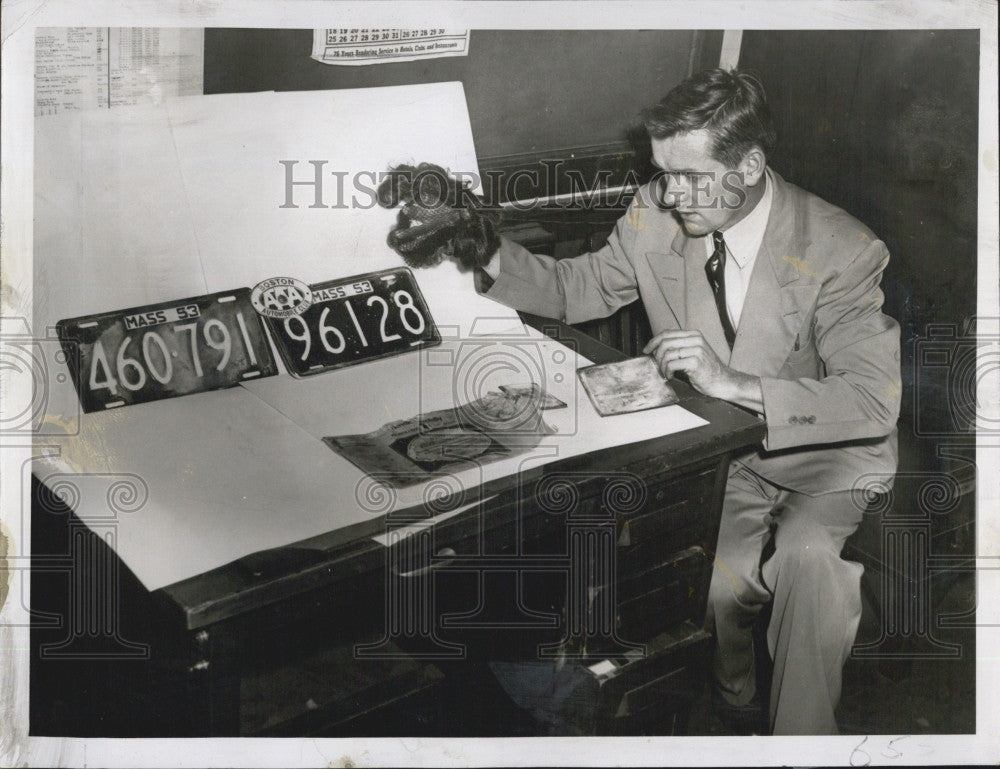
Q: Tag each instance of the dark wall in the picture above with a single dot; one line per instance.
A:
(885, 125)
(528, 91)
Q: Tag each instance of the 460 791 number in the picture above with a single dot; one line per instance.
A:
(205, 343)
(160, 363)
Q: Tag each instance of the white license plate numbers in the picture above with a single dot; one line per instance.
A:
(166, 350)
(354, 320)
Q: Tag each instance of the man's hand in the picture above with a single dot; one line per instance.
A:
(688, 351)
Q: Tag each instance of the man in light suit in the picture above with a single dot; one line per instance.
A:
(768, 297)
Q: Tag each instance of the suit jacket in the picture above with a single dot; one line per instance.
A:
(812, 326)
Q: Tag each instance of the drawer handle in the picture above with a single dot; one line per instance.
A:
(443, 556)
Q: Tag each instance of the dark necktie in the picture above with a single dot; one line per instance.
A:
(715, 269)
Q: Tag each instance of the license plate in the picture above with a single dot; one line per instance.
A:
(166, 350)
(353, 320)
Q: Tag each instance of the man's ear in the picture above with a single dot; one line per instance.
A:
(753, 166)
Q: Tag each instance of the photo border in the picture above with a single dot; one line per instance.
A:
(19, 21)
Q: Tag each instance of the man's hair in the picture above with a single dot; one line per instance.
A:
(730, 104)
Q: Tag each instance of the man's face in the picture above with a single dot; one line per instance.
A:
(705, 194)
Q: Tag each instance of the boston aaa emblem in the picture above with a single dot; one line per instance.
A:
(281, 297)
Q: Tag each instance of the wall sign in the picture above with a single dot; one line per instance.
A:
(355, 47)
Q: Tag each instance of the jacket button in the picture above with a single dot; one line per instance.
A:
(812, 419)
(793, 420)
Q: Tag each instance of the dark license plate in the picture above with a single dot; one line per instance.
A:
(166, 350)
(352, 320)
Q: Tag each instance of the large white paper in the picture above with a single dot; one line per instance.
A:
(187, 198)
(235, 181)
(212, 477)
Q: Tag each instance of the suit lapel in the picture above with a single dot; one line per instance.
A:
(668, 272)
(779, 289)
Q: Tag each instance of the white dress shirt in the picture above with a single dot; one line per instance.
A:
(743, 241)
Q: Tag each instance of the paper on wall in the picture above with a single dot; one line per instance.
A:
(81, 68)
(353, 47)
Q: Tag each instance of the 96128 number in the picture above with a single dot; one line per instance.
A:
(353, 320)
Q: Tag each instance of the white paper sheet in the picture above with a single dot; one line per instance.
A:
(168, 202)
(236, 182)
(217, 475)
(113, 228)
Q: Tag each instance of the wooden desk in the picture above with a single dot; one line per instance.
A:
(222, 653)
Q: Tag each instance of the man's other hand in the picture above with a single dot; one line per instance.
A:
(688, 351)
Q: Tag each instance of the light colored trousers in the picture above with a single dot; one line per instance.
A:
(816, 598)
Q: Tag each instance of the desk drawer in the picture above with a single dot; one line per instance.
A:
(639, 557)
(671, 505)
(646, 694)
(329, 690)
(664, 596)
